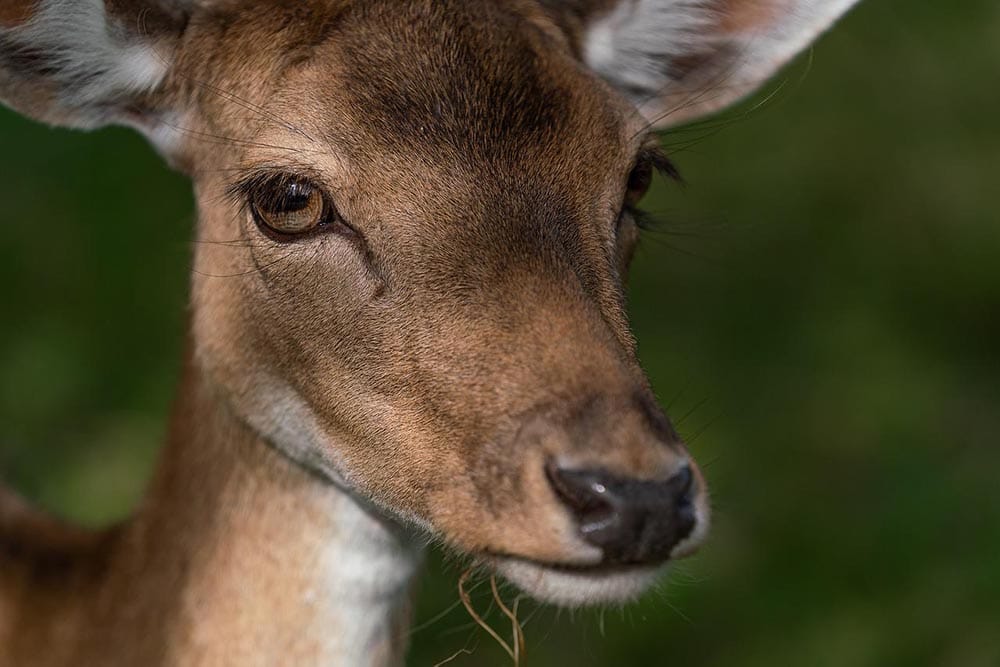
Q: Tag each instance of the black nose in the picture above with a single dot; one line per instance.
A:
(633, 521)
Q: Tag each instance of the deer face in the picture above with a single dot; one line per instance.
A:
(415, 225)
(446, 332)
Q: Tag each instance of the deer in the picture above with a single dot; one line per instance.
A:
(407, 316)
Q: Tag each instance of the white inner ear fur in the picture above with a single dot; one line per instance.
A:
(632, 45)
(91, 62)
(635, 45)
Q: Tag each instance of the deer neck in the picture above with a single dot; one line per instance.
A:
(259, 559)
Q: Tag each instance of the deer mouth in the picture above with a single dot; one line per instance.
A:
(574, 585)
(604, 580)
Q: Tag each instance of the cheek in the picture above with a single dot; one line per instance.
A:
(291, 312)
(286, 335)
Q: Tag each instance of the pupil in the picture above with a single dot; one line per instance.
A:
(295, 198)
(640, 179)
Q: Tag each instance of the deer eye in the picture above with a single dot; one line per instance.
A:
(289, 206)
(638, 183)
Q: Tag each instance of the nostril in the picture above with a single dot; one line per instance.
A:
(585, 494)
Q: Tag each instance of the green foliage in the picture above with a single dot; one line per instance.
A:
(820, 309)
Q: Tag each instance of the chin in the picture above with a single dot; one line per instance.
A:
(571, 586)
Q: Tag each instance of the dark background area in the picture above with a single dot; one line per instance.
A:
(820, 309)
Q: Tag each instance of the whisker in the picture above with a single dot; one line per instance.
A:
(715, 86)
(235, 243)
(447, 610)
(691, 411)
(697, 95)
(453, 656)
(680, 250)
(711, 422)
(680, 392)
(256, 269)
(250, 106)
(223, 140)
(222, 93)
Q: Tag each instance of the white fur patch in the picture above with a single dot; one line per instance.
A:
(363, 585)
(86, 58)
(284, 418)
(632, 45)
(165, 133)
(579, 588)
(278, 413)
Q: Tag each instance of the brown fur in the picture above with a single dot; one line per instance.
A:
(222, 551)
(15, 12)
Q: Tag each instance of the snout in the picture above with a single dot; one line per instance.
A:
(625, 530)
(611, 496)
(632, 521)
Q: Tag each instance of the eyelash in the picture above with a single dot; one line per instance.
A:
(243, 189)
(645, 220)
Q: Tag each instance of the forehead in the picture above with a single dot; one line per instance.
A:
(474, 84)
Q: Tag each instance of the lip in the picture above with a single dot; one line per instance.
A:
(577, 584)
(597, 582)
(596, 568)
(573, 585)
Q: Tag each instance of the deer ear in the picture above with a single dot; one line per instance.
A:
(680, 59)
(86, 63)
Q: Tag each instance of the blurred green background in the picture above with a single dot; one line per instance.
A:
(820, 309)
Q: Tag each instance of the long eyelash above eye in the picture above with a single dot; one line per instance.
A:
(663, 165)
(656, 158)
(256, 181)
(263, 179)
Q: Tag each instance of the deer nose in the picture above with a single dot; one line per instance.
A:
(632, 521)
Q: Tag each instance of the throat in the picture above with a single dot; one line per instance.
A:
(358, 601)
(256, 560)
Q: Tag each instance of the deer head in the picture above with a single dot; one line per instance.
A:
(415, 223)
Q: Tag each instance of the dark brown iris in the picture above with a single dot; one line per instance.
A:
(638, 182)
(289, 206)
